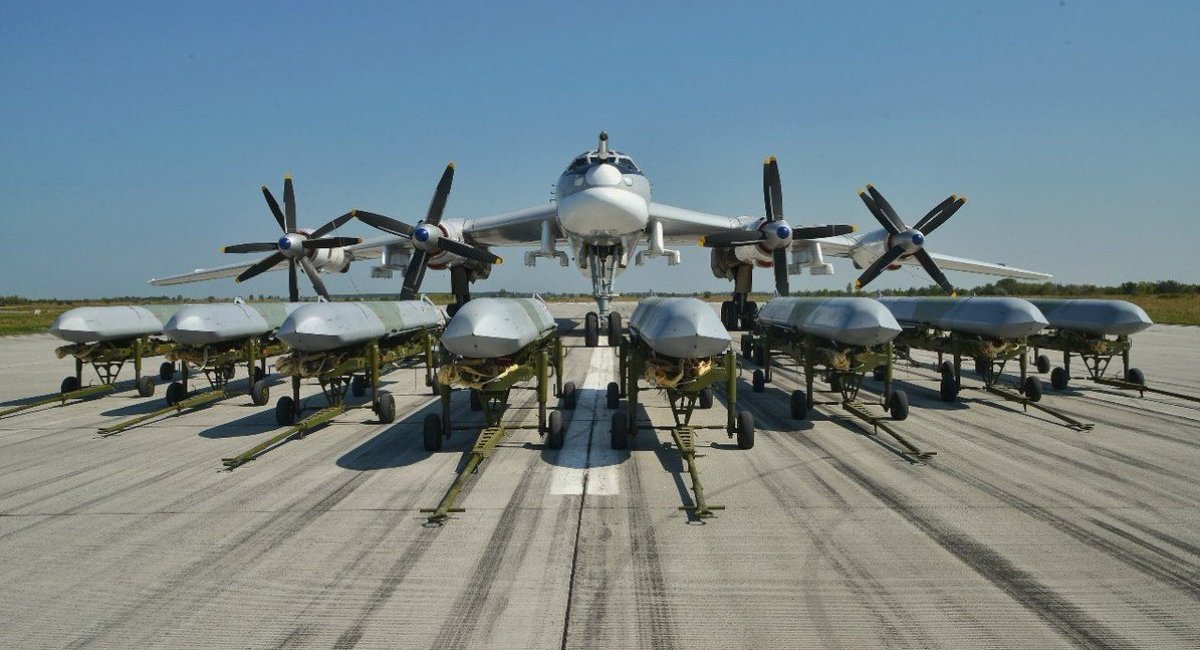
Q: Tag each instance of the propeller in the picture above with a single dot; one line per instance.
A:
(774, 234)
(427, 237)
(294, 246)
(903, 240)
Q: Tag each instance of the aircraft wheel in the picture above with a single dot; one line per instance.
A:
(591, 329)
(880, 373)
(260, 392)
(727, 316)
(759, 381)
(1033, 389)
(145, 386)
(898, 405)
(176, 393)
(750, 316)
(613, 395)
(620, 431)
(1043, 364)
(554, 430)
(432, 432)
(706, 398)
(745, 430)
(166, 371)
(1060, 378)
(285, 411)
(358, 385)
(69, 384)
(570, 395)
(614, 329)
(1136, 376)
(948, 389)
(385, 407)
(799, 405)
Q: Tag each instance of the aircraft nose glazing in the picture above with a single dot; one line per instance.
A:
(603, 175)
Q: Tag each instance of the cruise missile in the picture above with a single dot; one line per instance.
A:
(1103, 317)
(488, 328)
(684, 328)
(214, 323)
(1007, 318)
(321, 326)
(852, 321)
(94, 324)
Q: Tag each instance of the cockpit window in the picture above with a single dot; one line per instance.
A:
(626, 166)
(620, 161)
(578, 165)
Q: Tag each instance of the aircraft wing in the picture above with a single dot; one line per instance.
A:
(838, 245)
(683, 226)
(948, 262)
(515, 228)
(199, 275)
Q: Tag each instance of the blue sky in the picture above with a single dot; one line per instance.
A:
(135, 136)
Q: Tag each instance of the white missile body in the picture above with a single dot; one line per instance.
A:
(214, 323)
(1103, 317)
(852, 321)
(322, 326)
(1007, 318)
(684, 328)
(94, 324)
(488, 328)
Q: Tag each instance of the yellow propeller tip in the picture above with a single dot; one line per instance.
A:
(963, 199)
(870, 187)
(450, 164)
(953, 294)
(701, 241)
(287, 177)
(853, 228)
(771, 159)
(499, 260)
(857, 284)
(223, 248)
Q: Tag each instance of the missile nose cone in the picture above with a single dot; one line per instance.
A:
(685, 328)
(603, 175)
(70, 327)
(487, 328)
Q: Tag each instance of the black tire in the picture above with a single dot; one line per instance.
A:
(176, 393)
(285, 411)
(591, 329)
(898, 405)
(728, 320)
(570, 395)
(750, 316)
(476, 400)
(948, 389)
(1059, 378)
(620, 431)
(358, 385)
(1042, 363)
(614, 329)
(747, 348)
(69, 384)
(385, 407)
(1032, 389)
(260, 392)
(946, 368)
(166, 371)
(706, 398)
(612, 395)
(758, 381)
(799, 405)
(745, 430)
(554, 430)
(432, 432)
(145, 386)
(879, 373)
(1136, 376)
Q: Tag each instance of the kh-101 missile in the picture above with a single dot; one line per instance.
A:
(321, 326)
(1103, 317)
(208, 324)
(1006, 318)
(488, 328)
(683, 328)
(94, 324)
(852, 321)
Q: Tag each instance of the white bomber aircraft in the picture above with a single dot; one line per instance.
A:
(603, 211)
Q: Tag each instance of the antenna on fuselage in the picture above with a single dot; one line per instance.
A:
(602, 150)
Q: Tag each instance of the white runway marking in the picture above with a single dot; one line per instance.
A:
(577, 468)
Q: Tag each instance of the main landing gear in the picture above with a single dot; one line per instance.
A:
(592, 329)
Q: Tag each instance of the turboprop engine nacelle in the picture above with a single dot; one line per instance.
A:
(331, 260)
(427, 237)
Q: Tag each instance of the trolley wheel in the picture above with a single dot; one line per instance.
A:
(745, 430)
(476, 400)
(69, 384)
(880, 373)
(620, 431)
(898, 405)
(614, 329)
(591, 329)
(260, 392)
(285, 411)
(385, 407)
(554, 430)
(1060, 378)
(1136, 376)
(570, 396)
(799, 405)
(1032, 389)
(759, 381)
(1042, 363)
(747, 348)
(166, 371)
(358, 385)
(612, 395)
(948, 388)
(432, 432)
(946, 368)
(145, 386)
(706, 398)
(176, 393)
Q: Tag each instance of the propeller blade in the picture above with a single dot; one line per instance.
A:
(331, 242)
(937, 209)
(293, 282)
(767, 210)
(817, 232)
(386, 224)
(311, 272)
(776, 190)
(274, 205)
(877, 213)
(332, 225)
(289, 203)
(944, 216)
(468, 251)
(781, 272)
(256, 247)
(932, 269)
(886, 209)
(880, 264)
(731, 238)
(414, 275)
(262, 265)
(440, 195)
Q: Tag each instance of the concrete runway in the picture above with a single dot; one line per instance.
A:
(1020, 532)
